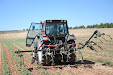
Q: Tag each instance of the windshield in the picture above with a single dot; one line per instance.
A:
(56, 28)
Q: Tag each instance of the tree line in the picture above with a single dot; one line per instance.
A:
(101, 25)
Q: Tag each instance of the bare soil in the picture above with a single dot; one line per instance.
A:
(82, 69)
(1, 63)
(30, 67)
(11, 63)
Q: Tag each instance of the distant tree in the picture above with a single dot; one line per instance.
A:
(105, 25)
(82, 26)
(27, 29)
(75, 27)
(70, 27)
(88, 26)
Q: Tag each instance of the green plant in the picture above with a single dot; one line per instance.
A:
(42, 71)
(5, 69)
(20, 62)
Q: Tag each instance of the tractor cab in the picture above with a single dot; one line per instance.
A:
(56, 27)
(50, 28)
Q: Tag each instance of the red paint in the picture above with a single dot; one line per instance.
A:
(70, 44)
(52, 45)
(40, 22)
(72, 39)
(108, 61)
(44, 36)
(71, 35)
(100, 58)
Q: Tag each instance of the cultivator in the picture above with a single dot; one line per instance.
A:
(54, 43)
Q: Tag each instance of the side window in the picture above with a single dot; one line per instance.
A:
(35, 29)
(43, 27)
(61, 28)
(47, 29)
(65, 29)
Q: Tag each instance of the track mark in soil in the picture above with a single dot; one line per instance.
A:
(1, 63)
(30, 67)
(11, 62)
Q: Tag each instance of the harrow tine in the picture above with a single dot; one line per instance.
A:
(96, 45)
(91, 47)
(100, 47)
(104, 39)
(109, 36)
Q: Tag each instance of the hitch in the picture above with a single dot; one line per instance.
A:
(18, 51)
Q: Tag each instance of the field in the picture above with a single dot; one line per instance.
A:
(94, 63)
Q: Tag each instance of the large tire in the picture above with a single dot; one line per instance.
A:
(42, 58)
(72, 58)
(57, 59)
(64, 58)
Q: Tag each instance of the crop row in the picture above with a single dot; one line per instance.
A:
(20, 62)
(5, 69)
(42, 71)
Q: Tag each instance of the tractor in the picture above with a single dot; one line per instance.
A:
(52, 43)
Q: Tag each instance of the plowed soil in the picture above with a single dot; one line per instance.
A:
(82, 69)
(11, 63)
(1, 63)
(30, 67)
(87, 67)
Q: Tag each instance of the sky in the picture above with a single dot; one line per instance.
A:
(18, 14)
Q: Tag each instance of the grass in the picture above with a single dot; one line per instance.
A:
(20, 62)
(5, 69)
(42, 72)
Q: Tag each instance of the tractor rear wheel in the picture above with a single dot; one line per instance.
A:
(57, 59)
(72, 58)
(43, 59)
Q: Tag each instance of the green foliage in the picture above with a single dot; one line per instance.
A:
(105, 25)
(42, 72)
(5, 69)
(70, 27)
(82, 26)
(102, 25)
(20, 62)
